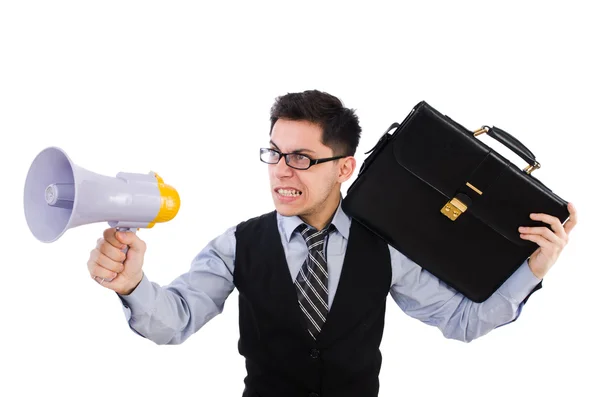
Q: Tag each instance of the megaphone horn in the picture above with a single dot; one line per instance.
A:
(60, 195)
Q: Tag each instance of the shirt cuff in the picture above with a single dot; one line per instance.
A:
(520, 284)
(140, 299)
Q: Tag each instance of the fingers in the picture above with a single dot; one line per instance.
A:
(97, 258)
(570, 224)
(100, 280)
(554, 223)
(97, 270)
(110, 237)
(539, 240)
(543, 232)
(132, 240)
(110, 250)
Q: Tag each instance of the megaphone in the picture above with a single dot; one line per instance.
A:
(60, 195)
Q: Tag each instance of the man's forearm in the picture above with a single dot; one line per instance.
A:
(423, 296)
(472, 320)
(167, 315)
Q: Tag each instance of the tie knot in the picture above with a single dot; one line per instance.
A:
(312, 236)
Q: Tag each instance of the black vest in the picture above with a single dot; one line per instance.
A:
(282, 359)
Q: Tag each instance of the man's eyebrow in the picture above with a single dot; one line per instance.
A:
(295, 151)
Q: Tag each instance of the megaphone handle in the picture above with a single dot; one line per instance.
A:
(126, 229)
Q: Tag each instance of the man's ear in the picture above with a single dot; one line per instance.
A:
(346, 168)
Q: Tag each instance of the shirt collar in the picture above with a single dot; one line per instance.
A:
(341, 221)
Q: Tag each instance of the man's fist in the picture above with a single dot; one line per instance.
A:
(116, 262)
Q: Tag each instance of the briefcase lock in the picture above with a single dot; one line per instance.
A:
(453, 209)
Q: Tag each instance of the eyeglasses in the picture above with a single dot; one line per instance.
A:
(294, 160)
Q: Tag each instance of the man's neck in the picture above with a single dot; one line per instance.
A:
(322, 218)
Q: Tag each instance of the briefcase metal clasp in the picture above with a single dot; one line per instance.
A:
(453, 209)
(531, 167)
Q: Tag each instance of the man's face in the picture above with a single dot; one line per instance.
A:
(302, 192)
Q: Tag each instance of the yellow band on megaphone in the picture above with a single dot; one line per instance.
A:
(169, 202)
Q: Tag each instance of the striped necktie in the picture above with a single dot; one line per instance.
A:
(311, 282)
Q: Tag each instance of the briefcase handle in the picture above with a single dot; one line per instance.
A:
(513, 144)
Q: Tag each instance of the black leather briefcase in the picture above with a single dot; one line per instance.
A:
(446, 200)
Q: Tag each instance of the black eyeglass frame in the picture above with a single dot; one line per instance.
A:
(285, 155)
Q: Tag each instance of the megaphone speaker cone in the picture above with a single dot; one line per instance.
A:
(50, 182)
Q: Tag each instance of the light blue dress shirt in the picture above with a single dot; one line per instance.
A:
(170, 314)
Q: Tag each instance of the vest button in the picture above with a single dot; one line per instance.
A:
(314, 353)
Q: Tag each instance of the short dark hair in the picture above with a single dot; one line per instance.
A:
(341, 129)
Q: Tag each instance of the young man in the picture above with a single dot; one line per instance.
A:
(312, 284)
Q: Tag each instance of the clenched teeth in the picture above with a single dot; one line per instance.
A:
(291, 193)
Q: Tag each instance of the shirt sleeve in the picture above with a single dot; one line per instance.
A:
(423, 296)
(170, 314)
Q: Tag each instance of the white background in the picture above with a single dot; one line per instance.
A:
(184, 89)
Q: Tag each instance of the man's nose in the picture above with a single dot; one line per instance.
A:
(282, 169)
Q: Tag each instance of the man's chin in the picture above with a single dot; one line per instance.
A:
(286, 209)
